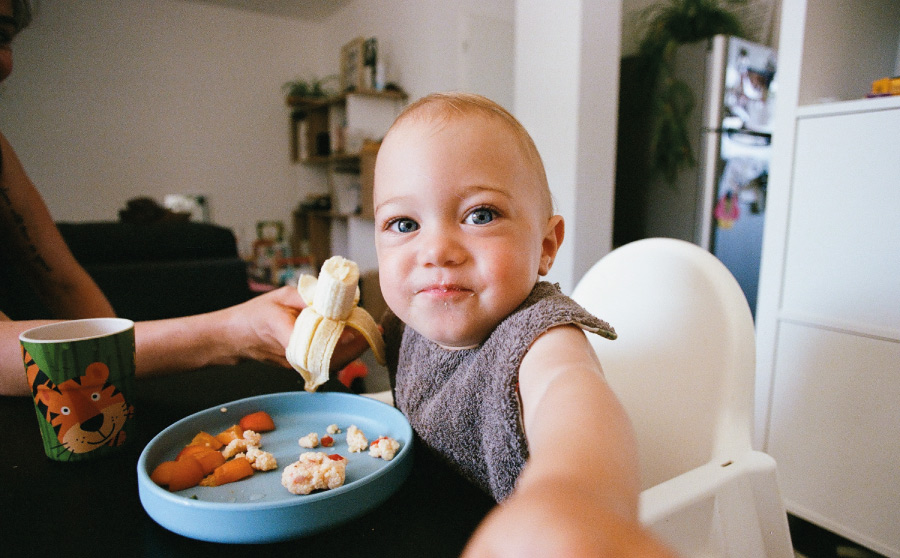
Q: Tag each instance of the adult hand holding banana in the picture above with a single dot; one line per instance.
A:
(331, 304)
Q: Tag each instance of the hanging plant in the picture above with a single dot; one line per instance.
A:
(669, 25)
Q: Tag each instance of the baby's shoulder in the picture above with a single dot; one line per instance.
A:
(547, 307)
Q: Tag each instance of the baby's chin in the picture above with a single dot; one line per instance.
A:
(452, 342)
(450, 330)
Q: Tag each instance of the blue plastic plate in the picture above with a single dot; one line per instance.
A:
(258, 509)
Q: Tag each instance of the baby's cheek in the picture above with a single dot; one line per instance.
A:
(397, 304)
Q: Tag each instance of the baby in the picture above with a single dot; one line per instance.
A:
(491, 365)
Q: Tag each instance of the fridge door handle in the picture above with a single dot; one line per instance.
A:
(731, 132)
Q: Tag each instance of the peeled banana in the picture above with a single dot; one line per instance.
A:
(331, 304)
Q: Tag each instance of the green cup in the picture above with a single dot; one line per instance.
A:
(81, 374)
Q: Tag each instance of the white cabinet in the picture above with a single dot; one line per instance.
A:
(843, 242)
(835, 413)
(835, 418)
(828, 318)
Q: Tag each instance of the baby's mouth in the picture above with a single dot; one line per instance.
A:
(445, 291)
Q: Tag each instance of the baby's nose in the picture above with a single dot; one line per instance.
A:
(442, 247)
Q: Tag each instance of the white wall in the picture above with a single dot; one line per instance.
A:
(567, 68)
(115, 99)
(419, 39)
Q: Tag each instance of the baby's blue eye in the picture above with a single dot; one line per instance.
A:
(480, 216)
(404, 226)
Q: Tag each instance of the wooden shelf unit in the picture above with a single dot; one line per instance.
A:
(315, 119)
(342, 134)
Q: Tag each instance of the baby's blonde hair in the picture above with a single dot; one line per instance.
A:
(449, 105)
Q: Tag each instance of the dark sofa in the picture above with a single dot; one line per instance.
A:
(147, 270)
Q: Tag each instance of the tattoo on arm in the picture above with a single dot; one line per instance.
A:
(32, 253)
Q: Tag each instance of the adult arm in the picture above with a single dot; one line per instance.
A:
(258, 329)
(12, 369)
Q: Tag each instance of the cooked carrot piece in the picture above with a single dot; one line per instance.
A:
(209, 459)
(186, 473)
(230, 471)
(206, 439)
(231, 433)
(259, 421)
(162, 474)
(191, 450)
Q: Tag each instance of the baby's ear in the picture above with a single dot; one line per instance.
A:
(553, 237)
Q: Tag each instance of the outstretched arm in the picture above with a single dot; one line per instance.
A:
(577, 496)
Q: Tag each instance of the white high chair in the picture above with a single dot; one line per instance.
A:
(683, 367)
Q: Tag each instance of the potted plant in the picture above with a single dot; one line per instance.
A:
(668, 25)
(308, 88)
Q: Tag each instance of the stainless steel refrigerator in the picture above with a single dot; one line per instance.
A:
(720, 203)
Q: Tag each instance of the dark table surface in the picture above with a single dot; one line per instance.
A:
(93, 509)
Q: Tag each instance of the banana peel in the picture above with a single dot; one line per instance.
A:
(331, 305)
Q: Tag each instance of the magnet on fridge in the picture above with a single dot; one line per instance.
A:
(727, 211)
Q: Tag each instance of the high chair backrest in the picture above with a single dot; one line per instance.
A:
(683, 365)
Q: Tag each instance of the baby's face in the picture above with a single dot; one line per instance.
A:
(459, 227)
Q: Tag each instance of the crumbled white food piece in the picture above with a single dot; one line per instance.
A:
(240, 445)
(311, 440)
(356, 440)
(223, 410)
(235, 447)
(384, 447)
(314, 471)
(261, 460)
(333, 429)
